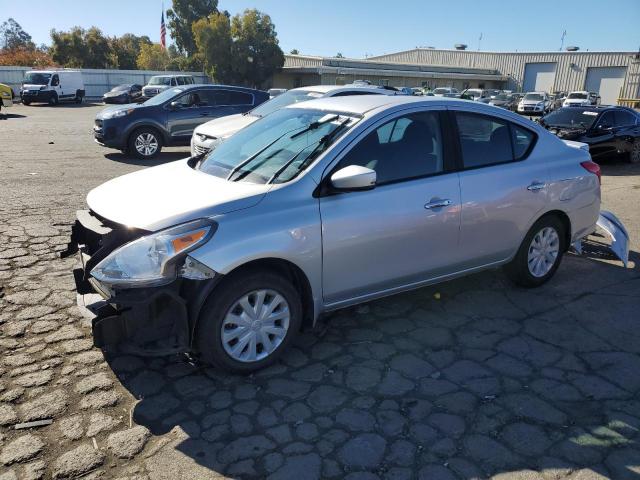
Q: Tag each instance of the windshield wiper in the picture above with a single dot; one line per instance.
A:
(309, 127)
(324, 141)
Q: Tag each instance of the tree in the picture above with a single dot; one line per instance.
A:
(182, 17)
(126, 50)
(26, 57)
(153, 57)
(242, 50)
(339, 55)
(294, 52)
(81, 48)
(213, 41)
(12, 36)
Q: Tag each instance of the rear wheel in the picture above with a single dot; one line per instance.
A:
(540, 253)
(79, 98)
(248, 321)
(145, 143)
(634, 154)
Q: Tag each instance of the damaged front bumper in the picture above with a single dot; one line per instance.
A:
(612, 226)
(151, 320)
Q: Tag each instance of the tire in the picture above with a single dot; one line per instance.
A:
(222, 307)
(79, 99)
(634, 153)
(145, 143)
(525, 270)
(53, 99)
(26, 103)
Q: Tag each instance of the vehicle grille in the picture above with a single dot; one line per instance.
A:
(199, 150)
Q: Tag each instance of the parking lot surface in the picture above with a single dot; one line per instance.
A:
(474, 378)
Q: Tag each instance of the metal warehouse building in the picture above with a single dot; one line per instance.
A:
(613, 74)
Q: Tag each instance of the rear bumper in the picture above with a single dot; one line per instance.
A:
(156, 320)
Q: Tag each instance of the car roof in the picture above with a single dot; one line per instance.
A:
(362, 104)
(215, 86)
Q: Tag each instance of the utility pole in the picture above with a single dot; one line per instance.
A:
(479, 41)
(564, 34)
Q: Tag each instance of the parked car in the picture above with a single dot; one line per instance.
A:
(557, 99)
(125, 93)
(475, 94)
(6, 96)
(417, 91)
(319, 206)
(160, 83)
(577, 99)
(534, 103)
(441, 91)
(493, 92)
(52, 86)
(504, 101)
(209, 135)
(170, 117)
(606, 130)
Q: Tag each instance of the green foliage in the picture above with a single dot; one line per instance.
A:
(241, 50)
(81, 48)
(181, 19)
(153, 57)
(339, 55)
(13, 37)
(294, 52)
(125, 50)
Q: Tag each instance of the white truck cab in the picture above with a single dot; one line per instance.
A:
(52, 86)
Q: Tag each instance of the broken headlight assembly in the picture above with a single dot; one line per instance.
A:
(154, 259)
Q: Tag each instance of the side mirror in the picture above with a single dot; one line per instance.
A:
(604, 126)
(353, 178)
(174, 105)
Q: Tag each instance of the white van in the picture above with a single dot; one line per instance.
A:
(160, 83)
(52, 86)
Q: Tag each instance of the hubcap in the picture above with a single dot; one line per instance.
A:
(543, 252)
(255, 325)
(146, 144)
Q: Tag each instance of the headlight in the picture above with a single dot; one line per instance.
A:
(117, 113)
(152, 260)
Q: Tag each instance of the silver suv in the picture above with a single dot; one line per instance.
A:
(160, 83)
(321, 205)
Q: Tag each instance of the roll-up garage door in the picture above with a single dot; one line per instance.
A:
(607, 81)
(539, 77)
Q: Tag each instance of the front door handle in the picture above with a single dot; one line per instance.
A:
(535, 186)
(437, 204)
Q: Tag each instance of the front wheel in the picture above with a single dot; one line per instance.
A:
(634, 154)
(53, 99)
(248, 321)
(145, 143)
(26, 103)
(540, 253)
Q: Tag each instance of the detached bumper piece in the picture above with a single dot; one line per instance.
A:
(612, 226)
(148, 321)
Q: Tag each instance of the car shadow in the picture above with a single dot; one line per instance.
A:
(466, 379)
(162, 158)
(7, 116)
(618, 165)
(84, 104)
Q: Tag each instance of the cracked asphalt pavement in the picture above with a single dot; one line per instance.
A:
(474, 378)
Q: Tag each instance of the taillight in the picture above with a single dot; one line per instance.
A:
(594, 168)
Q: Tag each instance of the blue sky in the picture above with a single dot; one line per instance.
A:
(360, 27)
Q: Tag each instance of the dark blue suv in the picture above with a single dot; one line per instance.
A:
(170, 117)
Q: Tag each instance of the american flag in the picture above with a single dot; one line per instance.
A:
(163, 31)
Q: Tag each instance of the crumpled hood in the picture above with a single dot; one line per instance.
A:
(115, 94)
(225, 126)
(566, 133)
(163, 196)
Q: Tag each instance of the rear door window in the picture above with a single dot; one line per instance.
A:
(180, 80)
(240, 98)
(486, 140)
(624, 118)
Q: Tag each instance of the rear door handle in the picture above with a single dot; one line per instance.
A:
(535, 186)
(437, 204)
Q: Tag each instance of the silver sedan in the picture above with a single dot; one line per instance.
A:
(322, 205)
